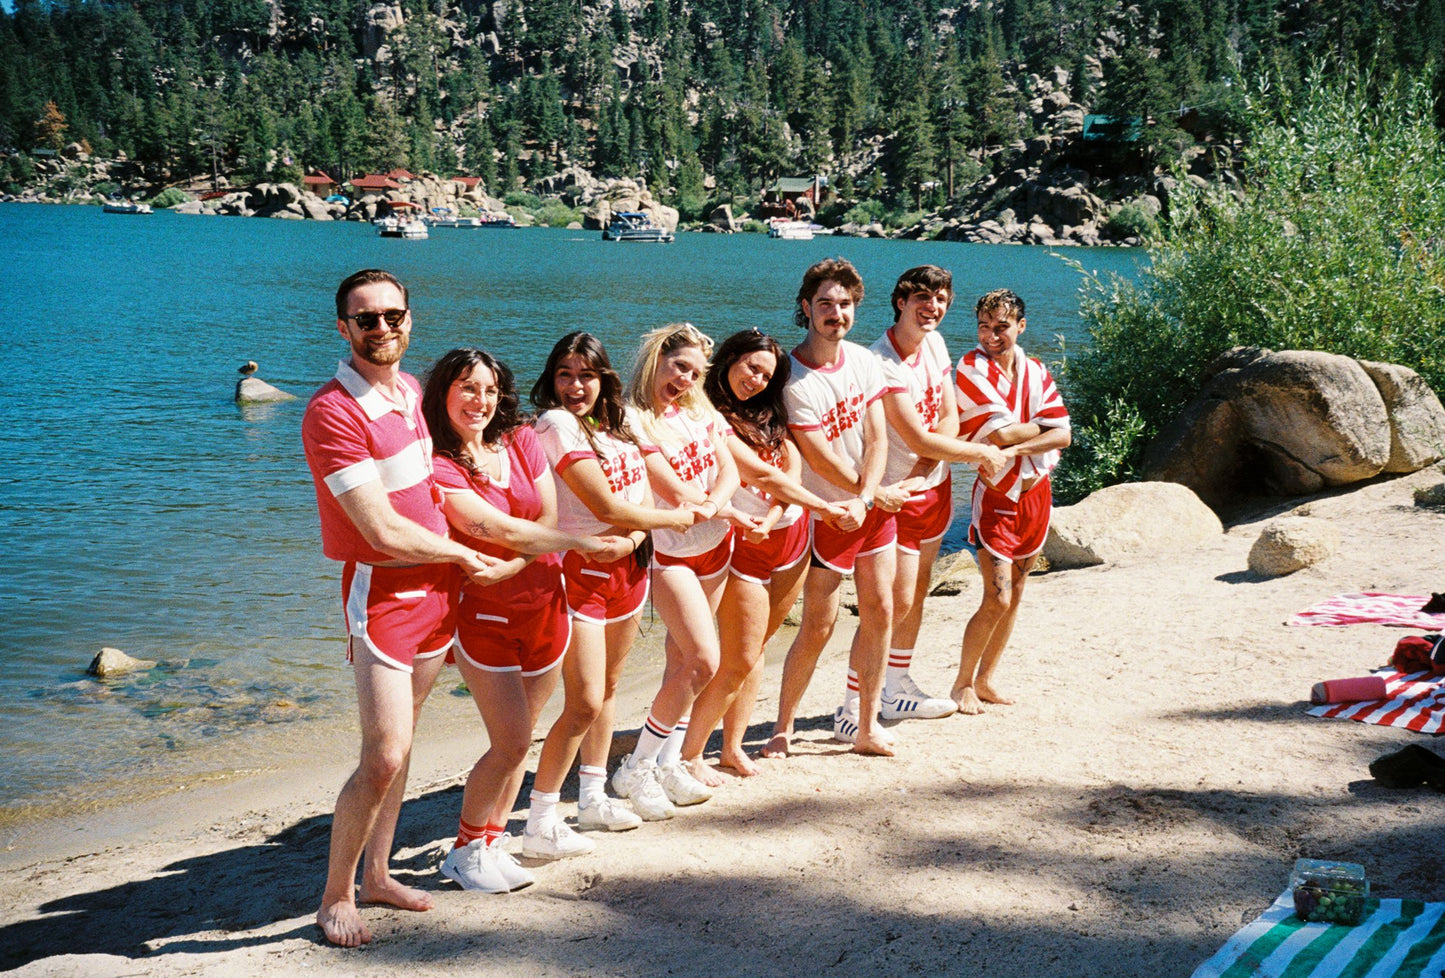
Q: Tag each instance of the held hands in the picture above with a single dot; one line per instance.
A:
(607, 548)
(857, 513)
(485, 570)
(841, 516)
(890, 499)
(742, 521)
(993, 461)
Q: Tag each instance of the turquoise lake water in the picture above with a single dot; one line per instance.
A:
(143, 509)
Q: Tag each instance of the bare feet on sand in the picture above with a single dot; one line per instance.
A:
(342, 925)
(739, 761)
(393, 894)
(705, 773)
(777, 746)
(990, 695)
(874, 746)
(970, 699)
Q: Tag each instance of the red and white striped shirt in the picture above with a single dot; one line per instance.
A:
(988, 401)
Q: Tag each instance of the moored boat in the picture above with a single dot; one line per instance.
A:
(786, 230)
(127, 207)
(635, 226)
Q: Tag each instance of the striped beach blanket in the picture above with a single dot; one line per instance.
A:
(1415, 701)
(1371, 608)
(1398, 939)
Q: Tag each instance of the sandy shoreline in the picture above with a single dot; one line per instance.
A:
(1147, 795)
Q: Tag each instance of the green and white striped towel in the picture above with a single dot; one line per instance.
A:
(1398, 939)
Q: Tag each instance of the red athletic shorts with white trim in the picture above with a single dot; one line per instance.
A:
(704, 565)
(1011, 530)
(506, 638)
(925, 517)
(401, 613)
(784, 547)
(604, 593)
(839, 551)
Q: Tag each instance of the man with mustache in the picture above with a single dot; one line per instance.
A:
(835, 414)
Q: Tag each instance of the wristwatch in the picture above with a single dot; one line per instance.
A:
(868, 503)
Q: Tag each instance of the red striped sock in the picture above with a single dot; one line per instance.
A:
(467, 833)
(494, 832)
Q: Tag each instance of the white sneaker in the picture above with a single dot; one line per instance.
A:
(682, 788)
(475, 867)
(639, 784)
(608, 815)
(512, 871)
(905, 701)
(554, 841)
(845, 724)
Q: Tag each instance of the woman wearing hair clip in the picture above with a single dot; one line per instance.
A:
(684, 442)
(602, 488)
(745, 383)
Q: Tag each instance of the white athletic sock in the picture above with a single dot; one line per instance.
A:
(671, 751)
(543, 811)
(850, 698)
(898, 662)
(591, 786)
(653, 735)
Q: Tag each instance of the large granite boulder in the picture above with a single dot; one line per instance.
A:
(113, 662)
(1289, 423)
(254, 390)
(1129, 518)
(1417, 419)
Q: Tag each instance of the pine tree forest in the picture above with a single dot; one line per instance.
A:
(901, 100)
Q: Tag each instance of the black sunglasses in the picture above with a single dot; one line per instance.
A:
(368, 321)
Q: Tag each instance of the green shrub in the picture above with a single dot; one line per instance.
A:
(1333, 242)
(555, 214)
(518, 198)
(865, 212)
(1132, 221)
(755, 226)
(169, 197)
(901, 219)
(105, 188)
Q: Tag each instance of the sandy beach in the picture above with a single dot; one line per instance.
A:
(1146, 796)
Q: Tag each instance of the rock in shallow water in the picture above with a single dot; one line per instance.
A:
(114, 662)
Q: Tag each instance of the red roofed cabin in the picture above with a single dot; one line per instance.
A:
(374, 183)
(318, 183)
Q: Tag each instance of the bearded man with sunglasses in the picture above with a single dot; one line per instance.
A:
(370, 455)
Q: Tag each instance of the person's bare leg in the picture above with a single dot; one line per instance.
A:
(910, 589)
(998, 641)
(536, 690)
(501, 699)
(874, 575)
(783, 593)
(377, 884)
(597, 741)
(384, 699)
(744, 607)
(686, 606)
(582, 680)
(978, 633)
(820, 614)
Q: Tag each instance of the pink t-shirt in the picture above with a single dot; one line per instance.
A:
(514, 492)
(921, 377)
(564, 442)
(691, 450)
(354, 434)
(833, 400)
(756, 502)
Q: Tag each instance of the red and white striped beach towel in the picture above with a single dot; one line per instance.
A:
(1371, 608)
(1415, 701)
(1399, 939)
